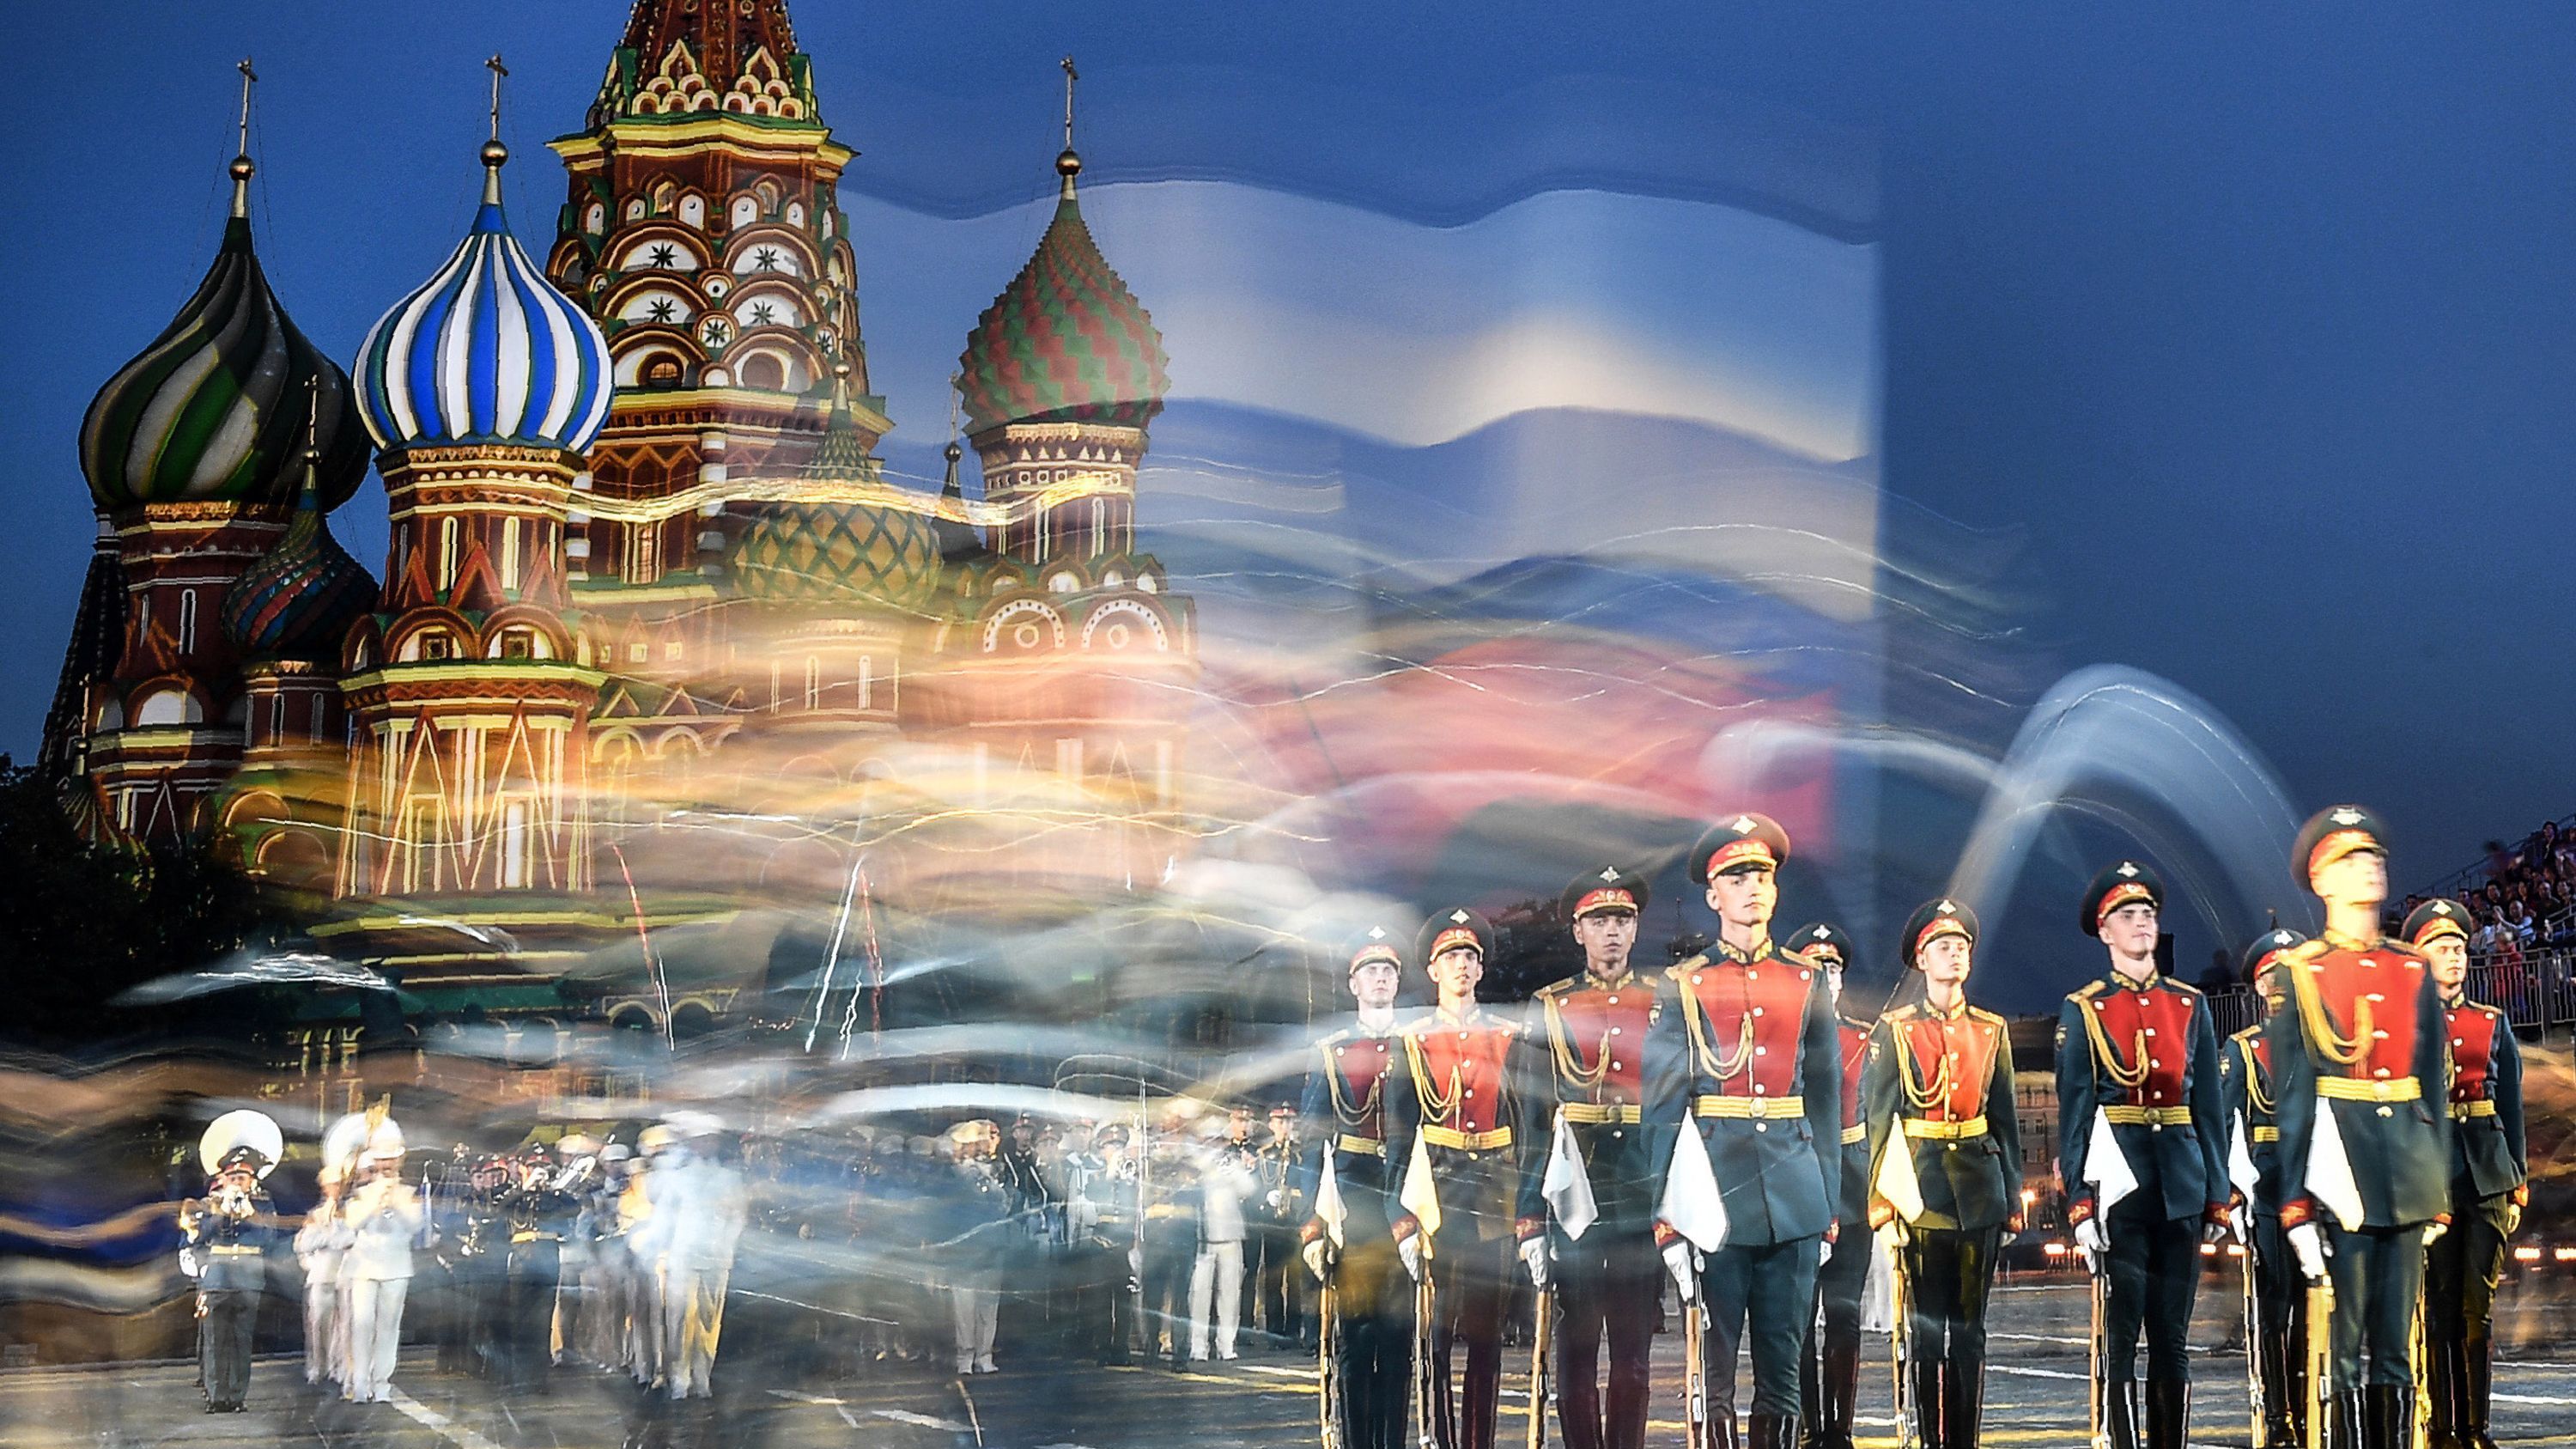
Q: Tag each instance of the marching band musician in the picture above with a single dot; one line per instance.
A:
(1945, 1171)
(384, 1216)
(2137, 1080)
(1829, 1389)
(2489, 1168)
(1455, 1142)
(1749, 1058)
(1606, 1270)
(1371, 1331)
(540, 1212)
(320, 1245)
(2365, 1159)
(227, 1235)
(2280, 1316)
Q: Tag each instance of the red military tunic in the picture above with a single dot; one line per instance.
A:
(1454, 1090)
(1596, 1034)
(1956, 1053)
(2357, 1040)
(1746, 1016)
(1855, 1037)
(1360, 1063)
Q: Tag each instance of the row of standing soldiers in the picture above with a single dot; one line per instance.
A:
(2374, 1108)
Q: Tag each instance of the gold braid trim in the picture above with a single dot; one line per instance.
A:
(1695, 1018)
(1569, 1053)
(1921, 1097)
(2256, 1095)
(2121, 1075)
(1352, 1116)
(2322, 1037)
(1438, 1107)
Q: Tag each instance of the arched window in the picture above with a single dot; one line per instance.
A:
(447, 544)
(509, 553)
(635, 208)
(663, 196)
(595, 220)
(765, 371)
(168, 705)
(745, 211)
(693, 211)
(813, 682)
(187, 621)
(867, 682)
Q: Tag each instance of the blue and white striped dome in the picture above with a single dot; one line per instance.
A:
(486, 351)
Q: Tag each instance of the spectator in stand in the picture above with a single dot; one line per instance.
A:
(2525, 929)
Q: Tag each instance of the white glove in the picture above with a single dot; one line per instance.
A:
(1824, 1251)
(1534, 1258)
(1410, 1250)
(1314, 1255)
(2308, 1242)
(1677, 1261)
(2095, 1242)
(2213, 1232)
(2433, 1231)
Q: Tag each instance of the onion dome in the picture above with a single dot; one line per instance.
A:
(213, 410)
(485, 351)
(1066, 341)
(299, 599)
(839, 551)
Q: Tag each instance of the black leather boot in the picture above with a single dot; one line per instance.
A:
(2344, 1421)
(1929, 1391)
(2442, 1393)
(2120, 1414)
(1841, 1394)
(2477, 1378)
(2168, 1413)
(2387, 1417)
(1964, 1394)
(1772, 1431)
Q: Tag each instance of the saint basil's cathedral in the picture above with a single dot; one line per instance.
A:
(656, 639)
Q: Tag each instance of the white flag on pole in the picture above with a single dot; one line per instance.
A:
(2106, 1165)
(1328, 1202)
(1692, 1204)
(2330, 1179)
(1567, 1187)
(1420, 1195)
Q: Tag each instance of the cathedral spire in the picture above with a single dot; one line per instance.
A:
(495, 155)
(1068, 164)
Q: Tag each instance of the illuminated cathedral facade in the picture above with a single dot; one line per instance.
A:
(654, 626)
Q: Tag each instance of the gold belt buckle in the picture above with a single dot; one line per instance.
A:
(1761, 1107)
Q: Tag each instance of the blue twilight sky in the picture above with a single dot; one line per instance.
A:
(2251, 336)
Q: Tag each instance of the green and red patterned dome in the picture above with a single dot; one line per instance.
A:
(299, 599)
(215, 409)
(839, 552)
(1065, 342)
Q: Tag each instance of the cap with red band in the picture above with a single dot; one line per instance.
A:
(2123, 884)
(1453, 928)
(2332, 834)
(1934, 919)
(2435, 919)
(1608, 888)
(1738, 842)
(1377, 945)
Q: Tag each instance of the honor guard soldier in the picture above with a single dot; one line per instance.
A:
(2277, 1319)
(1829, 1387)
(1748, 1056)
(2141, 1153)
(2489, 1166)
(2365, 1154)
(227, 1235)
(1945, 1172)
(1368, 1305)
(1605, 1267)
(1455, 1141)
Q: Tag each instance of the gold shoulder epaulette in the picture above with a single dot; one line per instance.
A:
(2185, 987)
(1979, 1013)
(2247, 1034)
(1680, 969)
(2309, 950)
(2091, 989)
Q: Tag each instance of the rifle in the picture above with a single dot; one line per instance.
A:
(1695, 1374)
(1327, 1380)
(1538, 1392)
(1900, 1346)
(2320, 1351)
(2096, 1378)
(2254, 1347)
(1424, 1370)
